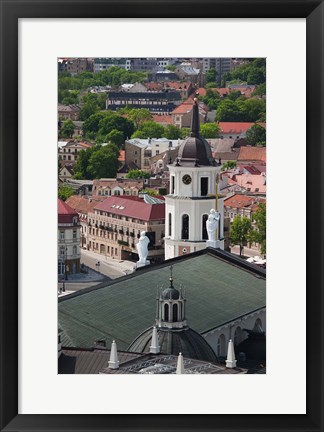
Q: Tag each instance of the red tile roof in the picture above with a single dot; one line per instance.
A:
(163, 119)
(65, 212)
(187, 106)
(252, 154)
(237, 127)
(83, 204)
(177, 85)
(240, 201)
(133, 207)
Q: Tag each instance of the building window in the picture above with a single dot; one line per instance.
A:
(204, 228)
(74, 250)
(170, 224)
(166, 312)
(172, 184)
(62, 235)
(237, 336)
(61, 268)
(175, 313)
(204, 186)
(74, 234)
(62, 251)
(185, 227)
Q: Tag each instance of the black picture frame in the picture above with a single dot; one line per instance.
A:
(11, 11)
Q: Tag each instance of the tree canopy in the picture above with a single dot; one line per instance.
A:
(252, 72)
(67, 129)
(209, 130)
(228, 165)
(248, 110)
(97, 162)
(149, 129)
(256, 135)
(135, 174)
(259, 233)
(65, 192)
(240, 231)
(102, 123)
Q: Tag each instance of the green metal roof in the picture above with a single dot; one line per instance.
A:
(217, 291)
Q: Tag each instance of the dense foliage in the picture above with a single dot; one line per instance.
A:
(65, 192)
(100, 125)
(253, 72)
(135, 174)
(97, 162)
(256, 135)
(241, 110)
(240, 231)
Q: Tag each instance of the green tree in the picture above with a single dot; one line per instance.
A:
(115, 137)
(211, 85)
(151, 192)
(185, 132)
(81, 165)
(103, 163)
(228, 111)
(67, 129)
(137, 116)
(65, 192)
(149, 129)
(88, 109)
(259, 233)
(211, 75)
(233, 95)
(209, 130)
(261, 90)
(240, 231)
(251, 109)
(135, 174)
(228, 165)
(212, 99)
(172, 132)
(256, 135)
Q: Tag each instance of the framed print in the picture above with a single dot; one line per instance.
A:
(289, 35)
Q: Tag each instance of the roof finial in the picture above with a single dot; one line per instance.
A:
(180, 365)
(171, 277)
(230, 361)
(195, 118)
(113, 361)
(155, 347)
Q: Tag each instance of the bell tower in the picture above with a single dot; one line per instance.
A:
(192, 192)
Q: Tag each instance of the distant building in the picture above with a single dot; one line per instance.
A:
(68, 247)
(140, 151)
(241, 205)
(70, 151)
(248, 177)
(236, 130)
(77, 65)
(117, 187)
(181, 116)
(102, 64)
(155, 102)
(83, 205)
(116, 223)
(66, 172)
(192, 74)
(252, 154)
(68, 112)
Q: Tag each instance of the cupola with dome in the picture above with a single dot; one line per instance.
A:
(173, 333)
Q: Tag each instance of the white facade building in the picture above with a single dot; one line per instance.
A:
(192, 196)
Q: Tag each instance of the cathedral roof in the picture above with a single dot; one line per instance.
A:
(219, 287)
(172, 341)
(195, 150)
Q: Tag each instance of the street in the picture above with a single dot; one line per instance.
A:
(109, 267)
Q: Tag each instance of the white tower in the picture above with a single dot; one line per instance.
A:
(192, 181)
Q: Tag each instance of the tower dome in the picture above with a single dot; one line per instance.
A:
(195, 150)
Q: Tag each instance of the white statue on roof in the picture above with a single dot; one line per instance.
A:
(212, 224)
(142, 249)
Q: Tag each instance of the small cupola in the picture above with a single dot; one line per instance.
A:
(171, 307)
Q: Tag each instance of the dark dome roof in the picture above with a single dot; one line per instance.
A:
(170, 294)
(197, 150)
(172, 341)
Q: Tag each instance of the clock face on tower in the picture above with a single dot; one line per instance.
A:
(186, 179)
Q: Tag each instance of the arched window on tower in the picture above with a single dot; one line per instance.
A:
(185, 227)
(204, 229)
(237, 336)
(221, 346)
(175, 312)
(166, 312)
(258, 326)
(170, 224)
